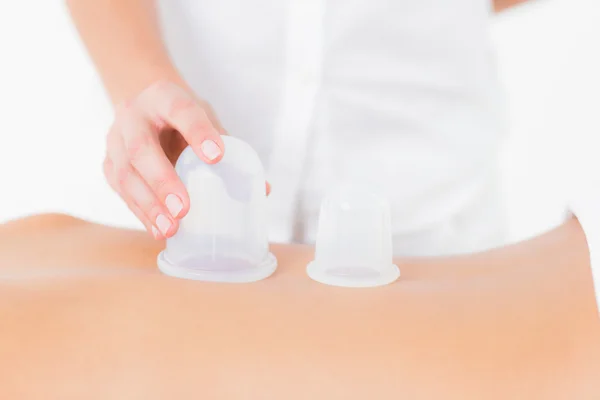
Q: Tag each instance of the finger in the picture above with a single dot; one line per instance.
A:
(268, 185)
(110, 175)
(134, 189)
(212, 115)
(147, 157)
(181, 110)
(142, 217)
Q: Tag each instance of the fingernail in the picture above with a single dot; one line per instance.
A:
(210, 149)
(163, 224)
(174, 205)
(155, 232)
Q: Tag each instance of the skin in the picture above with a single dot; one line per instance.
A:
(137, 166)
(501, 5)
(86, 314)
(156, 113)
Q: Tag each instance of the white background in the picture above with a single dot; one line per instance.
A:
(54, 113)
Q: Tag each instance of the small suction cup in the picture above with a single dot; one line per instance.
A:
(354, 241)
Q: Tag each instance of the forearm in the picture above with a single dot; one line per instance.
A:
(123, 39)
(501, 5)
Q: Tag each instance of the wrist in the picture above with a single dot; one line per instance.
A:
(140, 78)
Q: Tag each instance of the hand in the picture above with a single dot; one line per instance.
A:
(149, 133)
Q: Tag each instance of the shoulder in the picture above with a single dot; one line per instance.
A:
(39, 222)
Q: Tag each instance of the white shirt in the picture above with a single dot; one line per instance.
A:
(403, 92)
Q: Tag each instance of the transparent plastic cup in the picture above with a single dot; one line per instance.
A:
(224, 237)
(354, 240)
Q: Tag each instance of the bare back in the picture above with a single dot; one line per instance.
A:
(86, 314)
